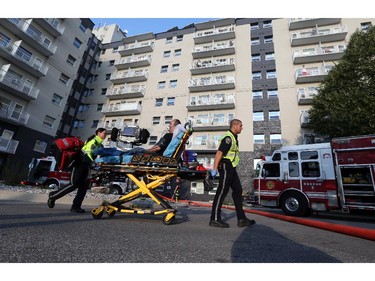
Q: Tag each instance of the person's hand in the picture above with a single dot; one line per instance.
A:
(213, 173)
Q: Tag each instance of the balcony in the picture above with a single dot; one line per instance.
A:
(15, 55)
(31, 35)
(210, 123)
(212, 66)
(18, 87)
(129, 76)
(9, 114)
(52, 25)
(211, 102)
(215, 34)
(212, 83)
(312, 75)
(306, 95)
(202, 143)
(133, 108)
(318, 35)
(214, 50)
(302, 23)
(126, 91)
(319, 54)
(136, 48)
(134, 61)
(304, 119)
(8, 146)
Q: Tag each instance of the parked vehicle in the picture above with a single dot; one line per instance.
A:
(319, 177)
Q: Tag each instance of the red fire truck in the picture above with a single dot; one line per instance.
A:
(319, 177)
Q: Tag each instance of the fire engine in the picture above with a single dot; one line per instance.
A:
(338, 175)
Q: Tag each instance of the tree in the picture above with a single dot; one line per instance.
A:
(345, 105)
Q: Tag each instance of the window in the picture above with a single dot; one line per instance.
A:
(104, 91)
(255, 41)
(56, 99)
(99, 64)
(257, 95)
(257, 75)
(274, 115)
(168, 119)
(271, 94)
(254, 26)
(177, 52)
(99, 107)
(40, 146)
(108, 76)
(83, 107)
(71, 60)
(258, 139)
(49, 121)
(77, 43)
(258, 116)
(155, 120)
(179, 38)
(24, 54)
(173, 84)
(293, 169)
(270, 56)
(175, 67)
(164, 68)
(4, 40)
(166, 54)
(271, 170)
(82, 27)
(268, 39)
(64, 79)
(275, 138)
(255, 57)
(310, 169)
(95, 124)
(365, 25)
(168, 40)
(267, 24)
(159, 102)
(171, 101)
(292, 155)
(153, 140)
(307, 155)
(111, 62)
(161, 85)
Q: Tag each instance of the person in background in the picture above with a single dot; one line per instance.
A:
(226, 160)
(80, 173)
(162, 144)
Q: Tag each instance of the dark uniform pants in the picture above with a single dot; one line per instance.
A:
(228, 179)
(79, 180)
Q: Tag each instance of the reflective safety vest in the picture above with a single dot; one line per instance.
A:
(91, 145)
(233, 154)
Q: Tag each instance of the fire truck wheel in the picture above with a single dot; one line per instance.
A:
(51, 183)
(294, 204)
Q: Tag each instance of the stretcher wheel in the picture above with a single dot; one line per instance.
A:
(111, 212)
(169, 218)
(97, 213)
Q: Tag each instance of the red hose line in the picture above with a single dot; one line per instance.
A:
(343, 229)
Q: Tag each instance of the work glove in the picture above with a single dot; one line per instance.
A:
(214, 173)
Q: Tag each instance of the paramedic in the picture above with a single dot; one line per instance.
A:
(80, 173)
(226, 161)
(162, 144)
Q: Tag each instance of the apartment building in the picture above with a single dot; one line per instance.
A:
(39, 60)
(263, 71)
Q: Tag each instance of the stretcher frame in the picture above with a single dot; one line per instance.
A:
(148, 177)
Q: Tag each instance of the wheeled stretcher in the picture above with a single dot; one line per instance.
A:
(148, 172)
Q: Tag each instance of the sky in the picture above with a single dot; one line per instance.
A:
(136, 26)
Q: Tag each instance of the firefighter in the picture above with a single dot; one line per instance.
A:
(80, 173)
(225, 162)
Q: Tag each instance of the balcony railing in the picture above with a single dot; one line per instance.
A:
(136, 48)
(55, 24)
(304, 119)
(214, 49)
(210, 123)
(134, 61)
(318, 35)
(212, 65)
(8, 146)
(219, 82)
(301, 23)
(119, 124)
(30, 64)
(133, 108)
(126, 91)
(219, 33)
(210, 102)
(7, 112)
(129, 76)
(21, 87)
(326, 53)
(47, 47)
(313, 74)
(305, 95)
(202, 143)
